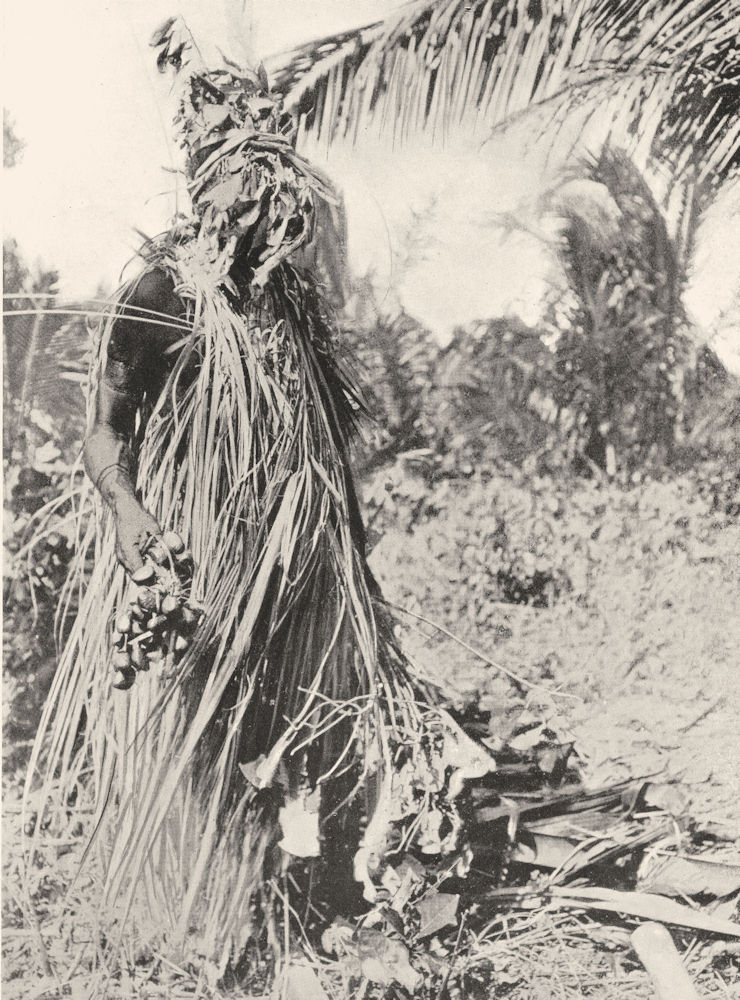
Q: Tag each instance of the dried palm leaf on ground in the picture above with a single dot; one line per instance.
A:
(638, 831)
(571, 847)
(684, 875)
(644, 905)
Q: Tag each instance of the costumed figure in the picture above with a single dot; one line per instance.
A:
(267, 728)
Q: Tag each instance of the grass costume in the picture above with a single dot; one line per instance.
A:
(228, 778)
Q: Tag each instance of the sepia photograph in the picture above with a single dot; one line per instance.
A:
(371, 513)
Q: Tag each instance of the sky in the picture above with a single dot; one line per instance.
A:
(80, 82)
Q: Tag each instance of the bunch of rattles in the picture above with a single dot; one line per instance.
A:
(158, 624)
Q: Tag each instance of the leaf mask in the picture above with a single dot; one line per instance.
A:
(252, 193)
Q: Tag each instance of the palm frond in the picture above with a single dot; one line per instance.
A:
(436, 66)
(639, 229)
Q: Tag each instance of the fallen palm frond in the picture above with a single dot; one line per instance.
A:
(644, 905)
(437, 66)
(583, 834)
(570, 850)
(683, 875)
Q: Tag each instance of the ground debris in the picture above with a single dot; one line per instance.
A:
(548, 862)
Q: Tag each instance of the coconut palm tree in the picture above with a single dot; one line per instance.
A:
(661, 78)
(623, 341)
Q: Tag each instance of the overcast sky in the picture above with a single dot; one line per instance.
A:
(80, 82)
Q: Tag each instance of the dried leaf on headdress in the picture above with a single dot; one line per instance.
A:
(215, 115)
(162, 34)
(172, 39)
(225, 194)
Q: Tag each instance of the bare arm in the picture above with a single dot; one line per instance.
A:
(135, 367)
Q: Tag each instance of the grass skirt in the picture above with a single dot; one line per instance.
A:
(292, 719)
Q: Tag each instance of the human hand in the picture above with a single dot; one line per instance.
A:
(135, 532)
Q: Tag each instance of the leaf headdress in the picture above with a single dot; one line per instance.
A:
(253, 195)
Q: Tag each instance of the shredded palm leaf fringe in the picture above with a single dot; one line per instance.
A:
(294, 694)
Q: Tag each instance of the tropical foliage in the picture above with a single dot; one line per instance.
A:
(45, 362)
(502, 394)
(651, 88)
